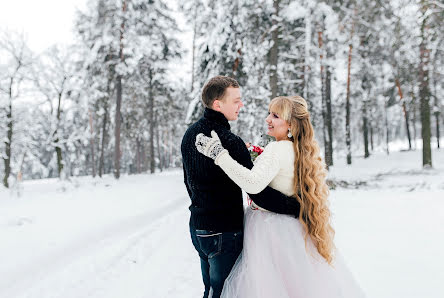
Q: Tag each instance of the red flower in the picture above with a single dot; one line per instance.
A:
(257, 149)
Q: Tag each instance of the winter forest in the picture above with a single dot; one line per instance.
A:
(118, 99)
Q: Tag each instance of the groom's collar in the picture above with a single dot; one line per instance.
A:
(216, 116)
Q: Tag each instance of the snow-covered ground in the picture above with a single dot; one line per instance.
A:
(129, 238)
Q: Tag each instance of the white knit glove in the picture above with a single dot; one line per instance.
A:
(210, 146)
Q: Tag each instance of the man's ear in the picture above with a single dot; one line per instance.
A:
(216, 105)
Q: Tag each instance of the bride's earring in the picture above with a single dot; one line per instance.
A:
(289, 135)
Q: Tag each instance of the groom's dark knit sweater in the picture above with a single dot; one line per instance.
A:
(216, 201)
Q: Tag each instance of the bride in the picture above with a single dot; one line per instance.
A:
(284, 256)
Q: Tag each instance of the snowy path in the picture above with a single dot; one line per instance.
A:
(108, 239)
(100, 255)
(107, 259)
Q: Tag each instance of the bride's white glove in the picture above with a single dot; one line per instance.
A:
(210, 146)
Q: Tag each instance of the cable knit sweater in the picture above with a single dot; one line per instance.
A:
(216, 201)
(274, 168)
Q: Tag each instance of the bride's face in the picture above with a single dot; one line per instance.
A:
(277, 127)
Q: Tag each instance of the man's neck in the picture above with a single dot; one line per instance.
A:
(216, 116)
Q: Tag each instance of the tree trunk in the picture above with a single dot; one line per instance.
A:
(437, 127)
(347, 103)
(406, 115)
(102, 147)
(307, 55)
(151, 121)
(327, 139)
(8, 141)
(159, 149)
(144, 157)
(117, 153)
(117, 128)
(329, 158)
(57, 139)
(347, 108)
(436, 106)
(194, 48)
(171, 146)
(274, 51)
(371, 137)
(424, 91)
(365, 129)
(138, 159)
(386, 129)
(91, 141)
(414, 119)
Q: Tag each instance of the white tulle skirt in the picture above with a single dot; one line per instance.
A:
(276, 263)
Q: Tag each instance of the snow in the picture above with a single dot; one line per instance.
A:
(294, 11)
(129, 238)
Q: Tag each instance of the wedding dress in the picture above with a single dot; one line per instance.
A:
(276, 261)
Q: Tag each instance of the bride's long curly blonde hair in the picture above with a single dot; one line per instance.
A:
(310, 187)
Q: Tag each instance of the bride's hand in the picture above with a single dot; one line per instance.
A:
(210, 146)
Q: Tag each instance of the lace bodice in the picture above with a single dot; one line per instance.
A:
(274, 168)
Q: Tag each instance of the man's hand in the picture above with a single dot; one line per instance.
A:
(210, 146)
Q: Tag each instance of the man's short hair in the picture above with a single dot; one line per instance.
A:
(215, 89)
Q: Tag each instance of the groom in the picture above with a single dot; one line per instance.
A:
(216, 222)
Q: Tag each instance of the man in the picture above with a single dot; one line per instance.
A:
(216, 222)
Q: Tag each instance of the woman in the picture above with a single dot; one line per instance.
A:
(284, 256)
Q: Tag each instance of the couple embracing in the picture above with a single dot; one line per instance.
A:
(281, 245)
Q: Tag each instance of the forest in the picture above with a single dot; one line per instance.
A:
(118, 99)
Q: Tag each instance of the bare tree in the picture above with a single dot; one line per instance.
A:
(424, 88)
(326, 103)
(118, 115)
(52, 77)
(151, 119)
(347, 102)
(404, 110)
(19, 58)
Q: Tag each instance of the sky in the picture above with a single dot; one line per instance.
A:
(48, 22)
(44, 22)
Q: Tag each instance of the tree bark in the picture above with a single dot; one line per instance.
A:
(138, 157)
(144, 157)
(307, 48)
(414, 117)
(347, 103)
(274, 51)
(194, 49)
(329, 158)
(91, 141)
(102, 147)
(57, 139)
(8, 141)
(424, 90)
(406, 115)
(437, 127)
(365, 129)
(117, 128)
(159, 150)
(117, 153)
(347, 108)
(436, 106)
(326, 135)
(386, 129)
(151, 121)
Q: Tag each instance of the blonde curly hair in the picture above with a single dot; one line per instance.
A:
(310, 187)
